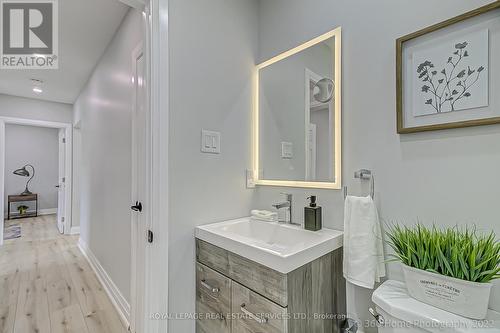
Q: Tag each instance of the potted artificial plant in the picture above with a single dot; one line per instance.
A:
(22, 209)
(450, 269)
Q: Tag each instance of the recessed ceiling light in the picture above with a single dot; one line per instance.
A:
(37, 90)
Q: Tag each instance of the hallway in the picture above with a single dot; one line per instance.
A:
(47, 286)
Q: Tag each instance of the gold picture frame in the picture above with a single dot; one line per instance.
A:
(400, 44)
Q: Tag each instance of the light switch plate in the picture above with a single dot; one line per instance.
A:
(250, 179)
(210, 142)
(286, 150)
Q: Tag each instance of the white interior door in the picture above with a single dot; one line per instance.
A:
(140, 185)
(61, 186)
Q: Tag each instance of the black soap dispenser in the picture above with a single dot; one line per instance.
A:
(312, 215)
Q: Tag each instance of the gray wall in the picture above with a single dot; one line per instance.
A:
(443, 177)
(213, 48)
(104, 109)
(19, 107)
(37, 146)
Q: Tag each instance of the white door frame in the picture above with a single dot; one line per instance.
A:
(314, 77)
(61, 179)
(156, 264)
(309, 76)
(68, 165)
(311, 153)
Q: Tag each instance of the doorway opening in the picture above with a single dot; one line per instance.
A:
(35, 172)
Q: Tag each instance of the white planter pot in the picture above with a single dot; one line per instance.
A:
(465, 298)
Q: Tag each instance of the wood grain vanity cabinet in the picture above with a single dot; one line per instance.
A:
(237, 295)
(213, 301)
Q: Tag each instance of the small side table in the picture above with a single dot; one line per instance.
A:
(22, 198)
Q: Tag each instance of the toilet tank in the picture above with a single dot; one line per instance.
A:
(403, 314)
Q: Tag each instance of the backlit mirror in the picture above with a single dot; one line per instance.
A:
(297, 116)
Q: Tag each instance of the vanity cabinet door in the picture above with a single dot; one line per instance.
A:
(213, 301)
(252, 313)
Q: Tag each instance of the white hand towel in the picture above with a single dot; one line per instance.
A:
(264, 215)
(363, 250)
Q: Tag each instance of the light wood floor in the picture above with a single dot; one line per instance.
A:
(47, 286)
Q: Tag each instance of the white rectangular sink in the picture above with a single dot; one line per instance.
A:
(281, 247)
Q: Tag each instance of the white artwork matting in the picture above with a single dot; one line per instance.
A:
(451, 76)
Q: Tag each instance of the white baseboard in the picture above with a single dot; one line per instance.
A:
(74, 231)
(116, 297)
(48, 211)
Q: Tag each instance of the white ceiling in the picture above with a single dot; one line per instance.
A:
(85, 29)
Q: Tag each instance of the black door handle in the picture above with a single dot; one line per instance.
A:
(137, 207)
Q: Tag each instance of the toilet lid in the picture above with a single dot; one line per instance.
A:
(393, 298)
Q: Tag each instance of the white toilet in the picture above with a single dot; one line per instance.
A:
(399, 313)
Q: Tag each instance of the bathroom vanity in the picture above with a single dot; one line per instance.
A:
(261, 277)
(266, 277)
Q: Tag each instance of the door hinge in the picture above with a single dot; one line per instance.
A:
(64, 140)
(62, 218)
(150, 236)
(64, 179)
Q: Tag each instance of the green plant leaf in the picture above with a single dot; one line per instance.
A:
(455, 252)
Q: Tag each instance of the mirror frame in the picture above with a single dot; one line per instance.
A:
(337, 184)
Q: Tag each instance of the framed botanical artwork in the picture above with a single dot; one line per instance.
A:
(448, 75)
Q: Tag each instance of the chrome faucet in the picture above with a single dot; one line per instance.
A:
(288, 206)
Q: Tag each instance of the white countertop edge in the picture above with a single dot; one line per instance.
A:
(283, 265)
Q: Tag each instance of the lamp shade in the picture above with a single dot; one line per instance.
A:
(25, 173)
(22, 172)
